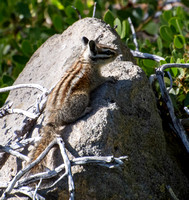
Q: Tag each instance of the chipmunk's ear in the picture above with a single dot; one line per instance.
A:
(85, 40)
(93, 48)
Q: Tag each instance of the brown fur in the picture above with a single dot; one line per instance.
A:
(70, 98)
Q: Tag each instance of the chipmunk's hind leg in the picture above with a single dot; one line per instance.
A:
(75, 107)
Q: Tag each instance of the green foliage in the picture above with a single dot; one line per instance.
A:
(171, 39)
(109, 18)
(26, 24)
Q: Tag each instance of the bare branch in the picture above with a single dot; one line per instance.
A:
(28, 192)
(38, 176)
(51, 186)
(14, 153)
(94, 9)
(3, 110)
(37, 187)
(152, 78)
(105, 161)
(139, 54)
(67, 167)
(79, 14)
(6, 111)
(26, 169)
(133, 34)
(172, 65)
(171, 81)
(170, 190)
(178, 128)
(29, 85)
(186, 110)
(41, 102)
(24, 142)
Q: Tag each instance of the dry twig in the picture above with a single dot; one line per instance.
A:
(7, 149)
(94, 10)
(178, 128)
(67, 168)
(107, 161)
(26, 169)
(133, 34)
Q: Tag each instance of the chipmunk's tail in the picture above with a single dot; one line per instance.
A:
(48, 135)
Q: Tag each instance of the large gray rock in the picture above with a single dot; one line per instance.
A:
(124, 121)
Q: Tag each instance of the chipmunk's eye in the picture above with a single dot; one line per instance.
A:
(108, 52)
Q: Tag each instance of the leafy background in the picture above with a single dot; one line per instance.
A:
(162, 28)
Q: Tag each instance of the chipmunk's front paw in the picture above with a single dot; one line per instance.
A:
(86, 111)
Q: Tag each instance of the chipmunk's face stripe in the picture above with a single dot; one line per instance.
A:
(99, 52)
(103, 54)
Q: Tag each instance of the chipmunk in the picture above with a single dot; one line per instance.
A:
(69, 100)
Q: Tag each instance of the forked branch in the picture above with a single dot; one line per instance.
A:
(18, 184)
(165, 95)
(178, 128)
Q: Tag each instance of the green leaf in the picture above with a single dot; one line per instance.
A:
(181, 97)
(70, 20)
(57, 22)
(23, 9)
(186, 101)
(125, 29)
(172, 60)
(26, 48)
(177, 23)
(149, 63)
(117, 23)
(174, 71)
(6, 49)
(17, 69)
(137, 13)
(175, 53)
(35, 34)
(151, 28)
(3, 97)
(179, 41)
(7, 80)
(166, 33)
(179, 60)
(109, 18)
(20, 59)
(167, 81)
(15, 45)
(181, 72)
(79, 5)
(159, 43)
(180, 12)
(58, 4)
(162, 62)
(69, 11)
(167, 15)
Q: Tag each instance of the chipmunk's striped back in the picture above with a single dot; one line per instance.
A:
(69, 100)
(82, 77)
